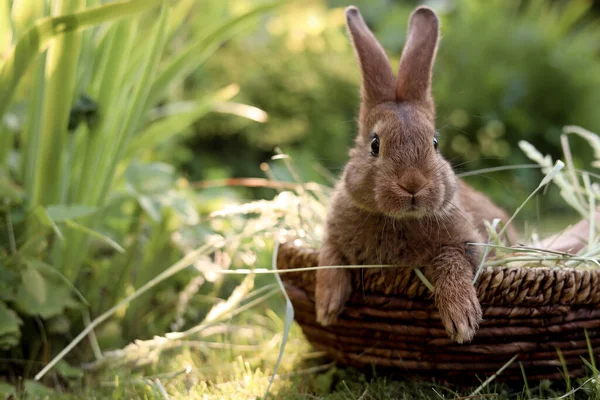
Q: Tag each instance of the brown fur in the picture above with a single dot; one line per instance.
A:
(405, 206)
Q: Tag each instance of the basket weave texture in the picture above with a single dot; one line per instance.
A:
(392, 323)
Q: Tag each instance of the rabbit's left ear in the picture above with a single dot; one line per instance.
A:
(416, 65)
(377, 76)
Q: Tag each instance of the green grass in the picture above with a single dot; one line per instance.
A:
(238, 364)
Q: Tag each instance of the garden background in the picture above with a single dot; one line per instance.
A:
(123, 123)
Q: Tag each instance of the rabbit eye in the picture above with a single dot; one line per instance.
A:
(375, 145)
(435, 143)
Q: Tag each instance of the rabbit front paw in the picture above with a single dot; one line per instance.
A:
(332, 292)
(460, 311)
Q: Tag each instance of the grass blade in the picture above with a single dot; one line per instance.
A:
(547, 179)
(109, 81)
(592, 361)
(592, 207)
(84, 229)
(166, 128)
(487, 249)
(289, 319)
(198, 52)
(37, 39)
(566, 375)
(5, 26)
(491, 378)
(140, 96)
(60, 75)
(570, 170)
(525, 381)
(424, 279)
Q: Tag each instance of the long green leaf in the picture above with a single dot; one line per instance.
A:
(180, 11)
(84, 229)
(61, 68)
(24, 13)
(166, 128)
(289, 319)
(34, 284)
(109, 81)
(198, 52)
(140, 96)
(62, 212)
(42, 216)
(6, 143)
(38, 37)
(33, 129)
(5, 26)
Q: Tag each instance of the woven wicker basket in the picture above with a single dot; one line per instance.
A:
(393, 324)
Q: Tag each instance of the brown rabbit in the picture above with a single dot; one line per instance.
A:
(398, 201)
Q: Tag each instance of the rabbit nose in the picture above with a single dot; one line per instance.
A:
(411, 191)
(412, 182)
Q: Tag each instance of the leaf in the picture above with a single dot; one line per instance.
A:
(62, 212)
(36, 391)
(37, 39)
(5, 26)
(95, 234)
(555, 170)
(198, 52)
(58, 298)
(136, 111)
(148, 179)
(10, 190)
(59, 325)
(59, 87)
(46, 269)
(34, 284)
(242, 110)
(151, 207)
(10, 333)
(183, 207)
(164, 129)
(42, 215)
(9, 281)
(289, 319)
(68, 371)
(8, 391)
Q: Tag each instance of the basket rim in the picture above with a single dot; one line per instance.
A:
(497, 285)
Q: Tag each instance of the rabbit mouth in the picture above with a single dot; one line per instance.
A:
(411, 211)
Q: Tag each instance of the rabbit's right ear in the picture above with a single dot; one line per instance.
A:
(378, 82)
(416, 64)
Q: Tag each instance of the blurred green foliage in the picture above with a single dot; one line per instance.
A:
(87, 212)
(505, 71)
